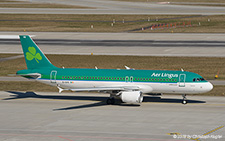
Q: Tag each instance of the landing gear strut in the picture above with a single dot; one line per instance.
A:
(184, 99)
(110, 101)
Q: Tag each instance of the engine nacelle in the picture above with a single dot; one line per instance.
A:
(134, 97)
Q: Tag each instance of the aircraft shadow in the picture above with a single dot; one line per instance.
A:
(169, 100)
(101, 101)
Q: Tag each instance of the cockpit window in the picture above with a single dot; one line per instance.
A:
(202, 79)
(198, 79)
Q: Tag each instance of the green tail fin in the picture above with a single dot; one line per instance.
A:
(34, 57)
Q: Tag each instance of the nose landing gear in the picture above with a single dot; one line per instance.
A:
(184, 99)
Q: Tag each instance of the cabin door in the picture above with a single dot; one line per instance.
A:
(53, 76)
(182, 78)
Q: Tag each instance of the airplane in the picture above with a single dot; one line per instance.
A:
(129, 85)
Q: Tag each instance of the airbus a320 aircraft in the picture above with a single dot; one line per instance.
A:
(129, 85)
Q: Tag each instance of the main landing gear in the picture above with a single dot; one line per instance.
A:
(110, 101)
(184, 99)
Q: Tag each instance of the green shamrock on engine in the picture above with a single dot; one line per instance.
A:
(32, 54)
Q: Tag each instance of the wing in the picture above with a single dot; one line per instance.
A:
(118, 88)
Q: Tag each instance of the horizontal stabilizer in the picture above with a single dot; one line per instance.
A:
(31, 75)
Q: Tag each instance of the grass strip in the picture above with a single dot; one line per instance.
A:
(104, 23)
(26, 86)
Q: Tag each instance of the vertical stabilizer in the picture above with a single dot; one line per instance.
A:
(34, 57)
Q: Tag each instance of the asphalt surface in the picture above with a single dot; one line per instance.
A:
(117, 36)
(112, 43)
(137, 44)
(85, 116)
(119, 7)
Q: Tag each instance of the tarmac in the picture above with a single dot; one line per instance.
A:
(136, 44)
(49, 116)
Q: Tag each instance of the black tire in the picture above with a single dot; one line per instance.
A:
(110, 101)
(184, 102)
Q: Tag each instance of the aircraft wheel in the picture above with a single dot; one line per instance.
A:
(184, 99)
(184, 102)
(110, 101)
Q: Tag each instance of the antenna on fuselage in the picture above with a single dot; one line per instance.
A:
(96, 67)
(182, 70)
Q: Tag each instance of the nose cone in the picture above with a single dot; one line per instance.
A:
(208, 87)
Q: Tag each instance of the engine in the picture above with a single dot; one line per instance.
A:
(134, 97)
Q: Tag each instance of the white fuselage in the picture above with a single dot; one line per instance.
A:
(147, 87)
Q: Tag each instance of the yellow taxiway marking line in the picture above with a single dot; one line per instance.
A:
(214, 130)
(196, 139)
(175, 133)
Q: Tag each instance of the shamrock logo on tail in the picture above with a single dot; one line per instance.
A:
(33, 55)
